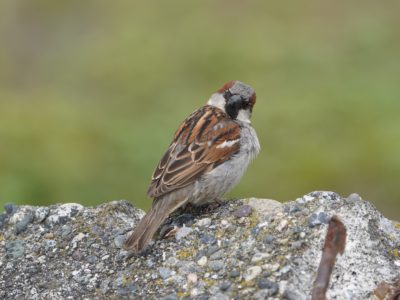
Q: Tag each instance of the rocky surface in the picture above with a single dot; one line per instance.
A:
(245, 249)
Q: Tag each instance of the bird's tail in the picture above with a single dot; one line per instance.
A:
(148, 225)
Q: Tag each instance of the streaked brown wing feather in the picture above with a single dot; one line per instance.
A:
(197, 148)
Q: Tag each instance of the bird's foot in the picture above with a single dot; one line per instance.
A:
(172, 225)
(210, 206)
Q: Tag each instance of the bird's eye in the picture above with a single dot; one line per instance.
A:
(245, 104)
(227, 94)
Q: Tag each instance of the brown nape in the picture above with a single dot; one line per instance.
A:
(253, 99)
(226, 86)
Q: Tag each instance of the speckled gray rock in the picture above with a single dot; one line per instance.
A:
(245, 249)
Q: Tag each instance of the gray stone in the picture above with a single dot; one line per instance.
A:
(269, 239)
(74, 252)
(318, 219)
(92, 259)
(354, 197)
(252, 272)
(219, 296)
(21, 225)
(234, 273)
(293, 295)
(164, 272)
(170, 297)
(225, 285)
(15, 249)
(217, 255)
(119, 240)
(243, 211)
(10, 208)
(65, 230)
(41, 214)
(208, 239)
(216, 265)
(183, 232)
(62, 214)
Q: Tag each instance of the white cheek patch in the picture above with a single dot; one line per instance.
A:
(244, 115)
(217, 100)
(227, 144)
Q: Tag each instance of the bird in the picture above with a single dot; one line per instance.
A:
(207, 157)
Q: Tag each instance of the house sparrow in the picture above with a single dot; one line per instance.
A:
(207, 157)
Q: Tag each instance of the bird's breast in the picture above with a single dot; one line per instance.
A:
(228, 174)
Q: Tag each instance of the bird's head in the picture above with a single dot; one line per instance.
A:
(236, 99)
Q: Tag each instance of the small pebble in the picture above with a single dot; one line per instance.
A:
(272, 267)
(259, 256)
(41, 213)
(122, 254)
(269, 239)
(211, 250)
(119, 240)
(194, 292)
(164, 272)
(50, 244)
(183, 232)
(243, 211)
(317, 219)
(172, 261)
(202, 261)
(224, 286)
(285, 269)
(224, 223)
(234, 273)
(217, 255)
(104, 286)
(49, 236)
(215, 265)
(15, 248)
(79, 237)
(296, 244)
(203, 222)
(65, 230)
(252, 272)
(255, 230)
(208, 239)
(77, 255)
(282, 225)
(294, 209)
(192, 278)
(117, 282)
(293, 295)
(126, 291)
(10, 208)
(91, 259)
(271, 287)
(308, 198)
(23, 224)
(354, 197)
(199, 255)
(170, 297)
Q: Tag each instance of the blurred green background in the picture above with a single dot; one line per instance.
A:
(91, 93)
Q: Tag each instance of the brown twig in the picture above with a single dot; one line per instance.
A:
(396, 295)
(335, 243)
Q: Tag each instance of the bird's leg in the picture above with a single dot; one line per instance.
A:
(185, 216)
(182, 216)
(212, 205)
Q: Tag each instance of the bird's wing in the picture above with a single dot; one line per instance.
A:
(207, 138)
